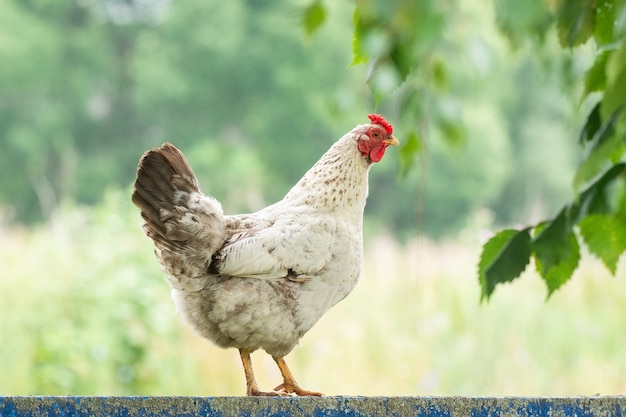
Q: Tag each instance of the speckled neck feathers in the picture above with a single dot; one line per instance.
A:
(338, 180)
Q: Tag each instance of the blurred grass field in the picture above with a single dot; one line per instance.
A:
(85, 311)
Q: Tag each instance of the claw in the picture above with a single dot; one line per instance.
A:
(295, 389)
(255, 392)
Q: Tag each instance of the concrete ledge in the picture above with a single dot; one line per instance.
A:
(325, 406)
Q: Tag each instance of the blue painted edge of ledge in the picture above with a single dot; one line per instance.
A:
(71, 406)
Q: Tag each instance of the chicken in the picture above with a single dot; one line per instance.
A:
(261, 280)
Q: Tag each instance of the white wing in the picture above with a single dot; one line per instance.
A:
(291, 245)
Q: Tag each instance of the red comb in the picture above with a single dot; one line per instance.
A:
(377, 119)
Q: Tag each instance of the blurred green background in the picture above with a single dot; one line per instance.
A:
(86, 86)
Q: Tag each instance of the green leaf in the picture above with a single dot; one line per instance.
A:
(605, 236)
(594, 199)
(604, 148)
(452, 130)
(439, 74)
(408, 153)
(313, 17)
(599, 160)
(503, 259)
(614, 97)
(595, 78)
(616, 63)
(449, 122)
(359, 56)
(605, 21)
(549, 236)
(556, 251)
(617, 198)
(401, 56)
(593, 123)
(575, 22)
(517, 19)
(561, 272)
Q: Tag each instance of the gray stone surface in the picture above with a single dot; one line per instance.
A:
(325, 406)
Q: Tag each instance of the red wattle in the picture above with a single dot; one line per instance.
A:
(376, 154)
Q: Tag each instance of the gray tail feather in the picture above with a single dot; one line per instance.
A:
(161, 172)
(186, 226)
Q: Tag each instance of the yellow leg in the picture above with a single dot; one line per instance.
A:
(252, 388)
(289, 385)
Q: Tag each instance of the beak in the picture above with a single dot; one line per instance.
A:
(392, 141)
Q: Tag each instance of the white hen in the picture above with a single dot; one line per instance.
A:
(261, 280)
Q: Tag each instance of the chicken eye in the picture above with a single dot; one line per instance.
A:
(376, 134)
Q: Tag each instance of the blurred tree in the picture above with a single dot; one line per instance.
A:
(65, 107)
(255, 92)
(238, 72)
(88, 86)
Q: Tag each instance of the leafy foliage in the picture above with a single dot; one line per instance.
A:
(605, 236)
(554, 244)
(504, 258)
(604, 147)
(556, 251)
(398, 38)
(456, 86)
(575, 22)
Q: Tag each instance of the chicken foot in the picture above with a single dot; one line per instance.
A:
(289, 385)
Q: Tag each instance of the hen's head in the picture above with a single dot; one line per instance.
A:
(373, 138)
